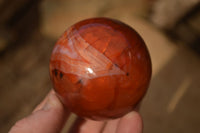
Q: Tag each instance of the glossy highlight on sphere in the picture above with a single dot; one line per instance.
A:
(100, 68)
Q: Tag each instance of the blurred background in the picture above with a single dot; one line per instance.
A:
(171, 30)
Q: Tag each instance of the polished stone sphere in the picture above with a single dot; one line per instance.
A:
(100, 68)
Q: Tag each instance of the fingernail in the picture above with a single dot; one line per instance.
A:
(51, 102)
(131, 114)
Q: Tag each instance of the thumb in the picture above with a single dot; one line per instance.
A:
(48, 119)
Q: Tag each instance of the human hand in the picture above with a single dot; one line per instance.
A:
(50, 116)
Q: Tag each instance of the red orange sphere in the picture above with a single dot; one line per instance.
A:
(100, 68)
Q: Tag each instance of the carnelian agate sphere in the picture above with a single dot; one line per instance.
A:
(100, 68)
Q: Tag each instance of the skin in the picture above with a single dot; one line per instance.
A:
(51, 113)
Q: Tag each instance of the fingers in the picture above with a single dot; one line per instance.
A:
(87, 126)
(48, 117)
(111, 126)
(40, 106)
(130, 123)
